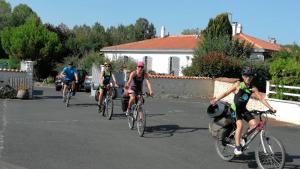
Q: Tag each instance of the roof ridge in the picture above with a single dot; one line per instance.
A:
(260, 39)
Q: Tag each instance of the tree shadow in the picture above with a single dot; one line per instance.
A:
(162, 131)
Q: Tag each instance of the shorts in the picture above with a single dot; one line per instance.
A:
(67, 82)
(134, 92)
(244, 114)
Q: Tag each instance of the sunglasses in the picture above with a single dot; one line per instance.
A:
(107, 65)
(140, 66)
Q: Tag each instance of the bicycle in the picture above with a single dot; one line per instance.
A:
(108, 104)
(69, 94)
(270, 152)
(138, 115)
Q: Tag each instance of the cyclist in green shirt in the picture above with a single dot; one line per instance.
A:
(243, 90)
(106, 76)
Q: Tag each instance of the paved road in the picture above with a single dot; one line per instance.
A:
(43, 134)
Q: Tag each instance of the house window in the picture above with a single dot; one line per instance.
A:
(148, 63)
(174, 65)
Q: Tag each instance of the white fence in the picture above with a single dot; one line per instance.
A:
(269, 86)
(288, 111)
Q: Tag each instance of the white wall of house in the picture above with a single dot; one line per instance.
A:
(160, 61)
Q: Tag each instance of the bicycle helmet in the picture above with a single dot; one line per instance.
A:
(248, 71)
(140, 64)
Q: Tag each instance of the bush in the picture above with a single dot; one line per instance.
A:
(214, 64)
(285, 70)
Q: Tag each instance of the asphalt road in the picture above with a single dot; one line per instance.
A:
(44, 134)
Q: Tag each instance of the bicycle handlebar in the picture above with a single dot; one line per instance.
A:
(258, 112)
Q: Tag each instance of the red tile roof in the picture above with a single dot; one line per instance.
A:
(170, 42)
(186, 42)
(154, 76)
(258, 43)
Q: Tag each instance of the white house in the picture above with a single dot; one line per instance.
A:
(170, 54)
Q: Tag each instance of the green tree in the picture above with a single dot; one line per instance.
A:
(5, 14)
(219, 26)
(5, 21)
(195, 31)
(21, 13)
(144, 29)
(32, 41)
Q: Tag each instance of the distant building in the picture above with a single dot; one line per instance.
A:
(170, 54)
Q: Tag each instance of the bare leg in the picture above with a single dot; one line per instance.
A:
(252, 124)
(131, 101)
(238, 132)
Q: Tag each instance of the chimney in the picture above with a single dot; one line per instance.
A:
(162, 32)
(236, 28)
(234, 24)
(272, 40)
(239, 28)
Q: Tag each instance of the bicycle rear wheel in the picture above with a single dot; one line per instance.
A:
(141, 121)
(274, 154)
(109, 108)
(225, 145)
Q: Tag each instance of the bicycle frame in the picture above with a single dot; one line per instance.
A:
(258, 129)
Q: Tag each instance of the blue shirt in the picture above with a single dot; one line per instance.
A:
(70, 73)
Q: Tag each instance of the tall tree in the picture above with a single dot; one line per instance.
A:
(195, 31)
(144, 29)
(5, 21)
(21, 13)
(32, 41)
(5, 14)
(219, 26)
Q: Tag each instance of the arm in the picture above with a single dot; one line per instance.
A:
(101, 78)
(76, 76)
(221, 96)
(62, 74)
(114, 80)
(148, 84)
(132, 74)
(260, 97)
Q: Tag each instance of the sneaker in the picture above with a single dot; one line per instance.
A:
(127, 113)
(64, 99)
(238, 150)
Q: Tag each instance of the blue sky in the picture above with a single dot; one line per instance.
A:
(260, 18)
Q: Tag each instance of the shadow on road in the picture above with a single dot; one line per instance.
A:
(289, 162)
(47, 97)
(250, 159)
(84, 104)
(162, 131)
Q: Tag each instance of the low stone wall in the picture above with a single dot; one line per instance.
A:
(181, 87)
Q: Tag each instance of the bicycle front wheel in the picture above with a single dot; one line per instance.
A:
(270, 153)
(109, 108)
(141, 121)
(68, 99)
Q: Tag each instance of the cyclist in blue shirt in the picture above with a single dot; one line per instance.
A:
(70, 74)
